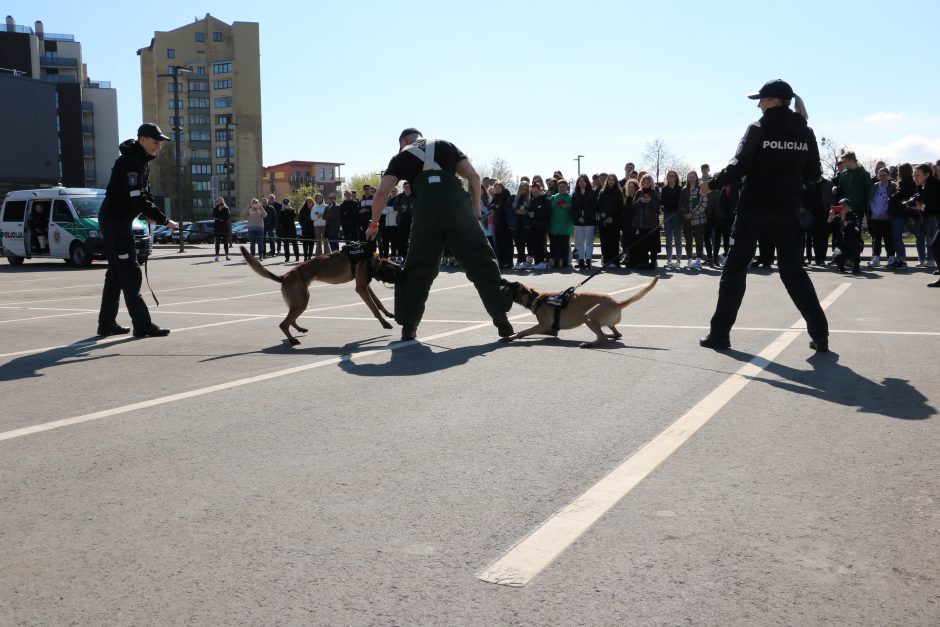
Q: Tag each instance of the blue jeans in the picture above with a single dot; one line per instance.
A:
(256, 236)
(270, 237)
(930, 231)
(897, 234)
(672, 224)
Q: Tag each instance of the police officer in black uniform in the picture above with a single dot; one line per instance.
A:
(128, 196)
(777, 154)
(443, 214)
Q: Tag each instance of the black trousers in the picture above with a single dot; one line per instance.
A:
(221, 238)
(503, 244)
(519, 237)
(287, 241)
(610, 242)
(881, 231)
(537, 244)
(306, 243)
(123, 276)
(785, 233)
(820, 237)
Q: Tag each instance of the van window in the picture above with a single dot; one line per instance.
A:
(14, 211)
(61, 212)
(87, 206)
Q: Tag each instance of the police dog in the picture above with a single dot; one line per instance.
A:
(334, 268)
(595, 309)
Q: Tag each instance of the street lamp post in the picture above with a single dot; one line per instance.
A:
(228, 162)
(578, 159)
(177, 129)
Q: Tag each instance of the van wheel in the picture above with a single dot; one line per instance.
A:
(15, 260)
(79, 256)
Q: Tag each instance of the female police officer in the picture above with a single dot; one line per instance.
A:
(777, 153)
(442, 214)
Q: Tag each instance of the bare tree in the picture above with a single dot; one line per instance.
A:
(830, 153)
(500, 170)
(657, 159)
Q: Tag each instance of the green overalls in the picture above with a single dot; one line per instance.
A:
(442, 215)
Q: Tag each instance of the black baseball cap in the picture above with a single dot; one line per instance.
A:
(409, 131)
(151, 130)
(777, 88)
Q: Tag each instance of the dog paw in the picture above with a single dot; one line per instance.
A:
(386, 325)
(301, 329)
(585, 345)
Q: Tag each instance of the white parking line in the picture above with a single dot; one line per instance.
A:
(172, 398)
(98, 294)
(53, 289)
(541, 547)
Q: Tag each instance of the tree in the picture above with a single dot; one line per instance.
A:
(357, 181)
(500, 170)
(658, 158)
(830, 153)
(300, 195)
(163, 181)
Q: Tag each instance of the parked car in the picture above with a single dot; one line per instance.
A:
(240, 232)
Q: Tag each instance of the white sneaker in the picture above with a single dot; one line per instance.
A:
(216, 257)
(540, 266)
(921, 264)
(518, 266)
(874, 262)
(932, 264)
(721, 259)
(689, 263)
(696, 265)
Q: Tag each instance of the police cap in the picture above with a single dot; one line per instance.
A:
(151, 130)
(776, 88)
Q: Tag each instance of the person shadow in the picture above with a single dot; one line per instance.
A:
(31, 365)
(418, 358)
(831, 381)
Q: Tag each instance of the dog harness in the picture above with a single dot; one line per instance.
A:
(357, 251)
(556, 301)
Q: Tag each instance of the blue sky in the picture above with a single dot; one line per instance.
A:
(537, 83)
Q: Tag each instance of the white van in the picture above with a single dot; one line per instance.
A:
(72, 219)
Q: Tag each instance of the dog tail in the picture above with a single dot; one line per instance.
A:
(257, 267)
(643, 292)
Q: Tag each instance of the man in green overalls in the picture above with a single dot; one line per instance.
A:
(443, 213)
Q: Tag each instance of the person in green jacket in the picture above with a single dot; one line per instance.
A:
(561, 226)
(854, 184)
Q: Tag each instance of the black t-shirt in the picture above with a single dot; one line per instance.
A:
(406, 166)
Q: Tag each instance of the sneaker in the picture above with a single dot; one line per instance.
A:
(921, 263)
(540, 266)
(216, 257)
(934, 284)
(689, 263)
(112, 329)
(722, 258)
(408, 333)
(518, 266)
(709, 341)
(820, 345)
(931, 264)
(874, 262)
(227, 258)
(899, 264)
(891, 261)
(696, 264)
(151, 331)
(503, 326)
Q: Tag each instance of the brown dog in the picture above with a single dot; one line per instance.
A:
(334, 268)
(595, 309)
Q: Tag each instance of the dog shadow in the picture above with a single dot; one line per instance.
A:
(418, 358)
(285, 348)
(830, 381)
(31, 365)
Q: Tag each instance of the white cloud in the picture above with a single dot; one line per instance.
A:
(882, 116)
(911, 148)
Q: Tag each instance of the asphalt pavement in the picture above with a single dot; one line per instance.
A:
(221, 476)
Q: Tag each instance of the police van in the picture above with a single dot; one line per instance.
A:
(59, 223)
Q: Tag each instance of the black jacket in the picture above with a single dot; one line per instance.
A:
(128, 193)
(609, 205)
(669, 198)
(270, 218)
(930, 196)
(221, 220)
(777, 153)
(541, 210)
(906, 188)
(305, 220)
(287, 222)
(584, 206)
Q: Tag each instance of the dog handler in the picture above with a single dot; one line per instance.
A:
(443, 213)
(778, 152)
(128, 195)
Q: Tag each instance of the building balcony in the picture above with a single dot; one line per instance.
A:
(200, 160)
(97, 84)
(59, 78)
(87, 106)
(198, 93)
(58, 62)
(88, 151)
(56, 37)
(88, 129)
(196, 145)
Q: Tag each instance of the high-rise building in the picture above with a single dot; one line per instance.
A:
(219, 104)
(86, 110)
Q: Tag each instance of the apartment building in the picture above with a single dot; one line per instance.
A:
(285, 178)
(86, 110)
(218, 126)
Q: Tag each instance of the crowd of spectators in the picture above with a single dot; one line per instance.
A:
(550, 224)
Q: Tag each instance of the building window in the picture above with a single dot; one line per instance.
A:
(224, 84)
(220, 134)
(216, 36)
(223, 119)
(198, 85)
(221, 169)
(199, 136)
(221, 68)
(176, 121)
(173, 106)
(199, 119)
(179, 137)
(201, 168)
(201, 70)
(201, 186)
(200, 37)
(220, 151)
(222, 103)
(170, 53)
(322, 174)
(202, 103)
(202, 153)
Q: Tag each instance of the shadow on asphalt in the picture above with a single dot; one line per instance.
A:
(28, 366)
(830, 381)
(284, 348)
(418, 359)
